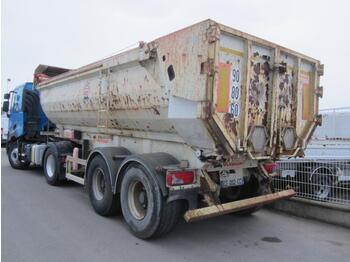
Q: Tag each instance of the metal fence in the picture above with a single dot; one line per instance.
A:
(324, 180)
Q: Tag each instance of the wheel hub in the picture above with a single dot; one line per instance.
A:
(98, 184)
(50, 166)
(137, 200)
(14, 156)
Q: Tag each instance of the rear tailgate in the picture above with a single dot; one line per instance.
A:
(265, 96)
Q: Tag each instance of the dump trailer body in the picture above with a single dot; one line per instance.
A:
(208, 86)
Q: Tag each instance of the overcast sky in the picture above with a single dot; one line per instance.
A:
(72, 33)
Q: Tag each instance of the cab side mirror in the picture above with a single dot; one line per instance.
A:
(5, 106)
(7, 96)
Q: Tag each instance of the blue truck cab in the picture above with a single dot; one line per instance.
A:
(26, 117)
(26, 121)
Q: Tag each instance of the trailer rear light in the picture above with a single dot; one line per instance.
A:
(180, 177)
(270, 167)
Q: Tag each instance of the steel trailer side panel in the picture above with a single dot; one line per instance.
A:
(133, 92)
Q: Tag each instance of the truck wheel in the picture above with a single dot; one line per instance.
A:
(99, 187)
(52, 167)
(13, 156)
(144, 208)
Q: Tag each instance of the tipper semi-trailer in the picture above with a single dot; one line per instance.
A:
(188, 124)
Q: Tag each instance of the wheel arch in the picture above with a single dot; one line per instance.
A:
(152, 162)
(48, 145)
(113, 156)
(10, 140)
(61, 147)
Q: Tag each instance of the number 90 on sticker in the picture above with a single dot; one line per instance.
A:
(235, 92)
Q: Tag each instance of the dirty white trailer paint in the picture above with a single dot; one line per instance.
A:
(207, 86)
(224, 101)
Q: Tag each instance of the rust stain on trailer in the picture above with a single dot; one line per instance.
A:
(155, 110)
(230, 123)
(234, 161)
(286, 95)
(259, 89)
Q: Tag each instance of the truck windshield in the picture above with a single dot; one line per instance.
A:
(12, 102)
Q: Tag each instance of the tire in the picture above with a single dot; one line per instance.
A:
(13, 156)
(99, 185)
(52, 167)
(144, 208)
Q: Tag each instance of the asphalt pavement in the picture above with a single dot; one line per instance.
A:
(48, 224)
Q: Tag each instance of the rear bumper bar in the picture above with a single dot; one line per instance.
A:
(231, 207)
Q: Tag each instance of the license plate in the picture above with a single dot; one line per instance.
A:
(231, 179)
(288, 173)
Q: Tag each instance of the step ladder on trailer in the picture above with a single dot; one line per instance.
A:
(76, 167)
(76, 175)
